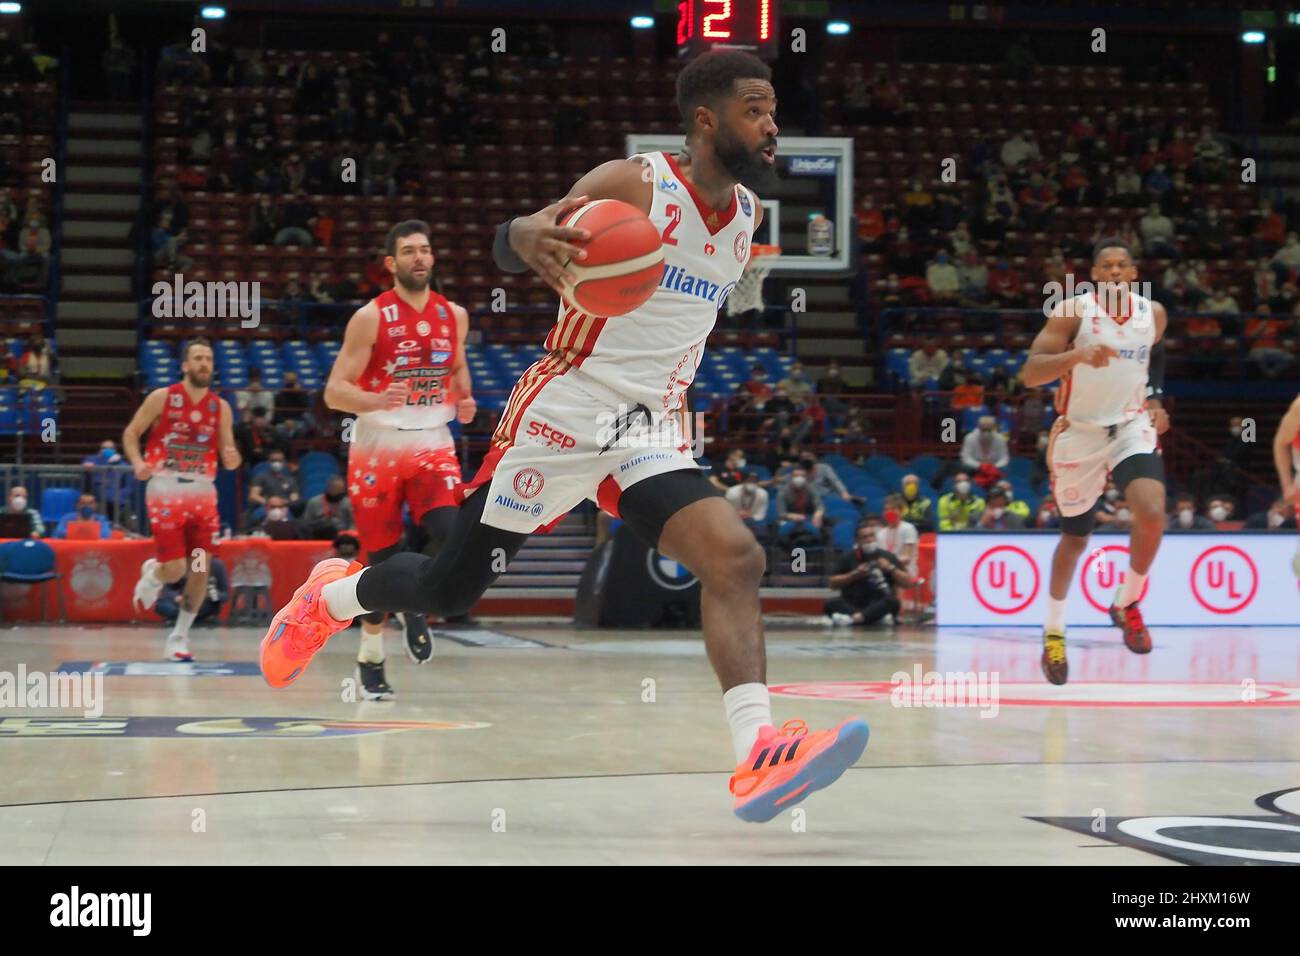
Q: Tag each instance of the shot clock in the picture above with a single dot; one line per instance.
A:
(742, 24)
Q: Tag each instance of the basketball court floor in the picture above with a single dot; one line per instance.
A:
(533, 742)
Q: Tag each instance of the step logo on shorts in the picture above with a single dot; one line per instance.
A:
(550, 437)
(528, 483)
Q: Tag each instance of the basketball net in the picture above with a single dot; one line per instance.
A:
(748, 293)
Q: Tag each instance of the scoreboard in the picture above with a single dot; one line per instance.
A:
(741, 24)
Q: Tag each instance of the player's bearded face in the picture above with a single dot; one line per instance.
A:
(744, 161)
(198, 374)
(413, 272)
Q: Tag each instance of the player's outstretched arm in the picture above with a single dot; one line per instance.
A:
(1287, 429)
(1051, 356)
(140, 423)
(341, 392)
(536, 242)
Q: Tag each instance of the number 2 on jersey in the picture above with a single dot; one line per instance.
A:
(675, 214)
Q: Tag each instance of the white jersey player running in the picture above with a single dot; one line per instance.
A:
(1105, 348)
(1286, 458)
(576, 428)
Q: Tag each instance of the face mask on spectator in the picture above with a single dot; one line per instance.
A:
(798, 481)
(751, 485)
(1123, 514)
(1042, 441)
(1112, 494)
(18, 503)
(277, 466)
(1044, 515)
(1219, 513)
(996, 513)
(963, 487)
(277, 514)
(910, 489)
(334, 496)
(740, 463)
(1236, 431)
(86, 511)
(891, 516)
(1275, 519)
(1185, 517)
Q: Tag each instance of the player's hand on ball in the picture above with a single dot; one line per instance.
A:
(545, 246)
(394, 396)
(1098, 356)
(143, 471)
(466, 409)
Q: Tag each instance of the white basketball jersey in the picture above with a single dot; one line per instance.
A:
(1117, 392)
(650, 355)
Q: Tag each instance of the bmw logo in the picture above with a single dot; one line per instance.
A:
(667, 573)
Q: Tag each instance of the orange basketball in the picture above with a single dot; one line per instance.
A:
(625, 258)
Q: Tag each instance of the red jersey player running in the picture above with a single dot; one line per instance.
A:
(1106, 349)
(555, 446)
(1286, 458)
(186, 424)
(402, 372)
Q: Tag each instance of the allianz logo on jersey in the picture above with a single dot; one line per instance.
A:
(677, 279)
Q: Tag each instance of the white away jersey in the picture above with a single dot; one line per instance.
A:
(1117, 392)
(650, 355)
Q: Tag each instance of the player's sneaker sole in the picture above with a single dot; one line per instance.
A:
(1056, 672)
(418, 642)
(820, 772)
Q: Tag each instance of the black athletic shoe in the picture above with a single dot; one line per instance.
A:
(419, 645)
(374, 686)
(461, 620)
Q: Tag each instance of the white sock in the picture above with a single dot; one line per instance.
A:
(372, 647)
(749, 707)
(184, 619)
(1055, 615)
(1132, 588)
(341, 597)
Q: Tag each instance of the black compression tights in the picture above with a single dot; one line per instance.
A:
(471, 558)
(428, 538)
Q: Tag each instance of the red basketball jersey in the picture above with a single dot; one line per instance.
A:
(419, 347)
(183, 441)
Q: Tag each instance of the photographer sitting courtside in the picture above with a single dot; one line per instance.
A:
(867, 578)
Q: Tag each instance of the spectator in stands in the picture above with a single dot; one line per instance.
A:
(984, 451)
(871, 224)
(1286, 261)
(1264, 335)
(255, 396)
(822, 478)
(898, 536)
(1214, 234)
(328, 513)
(927, 362)
(1121, 517)
(1019, 148)
(914, 506)
(1041, 470)
(989, 229)
(1209, 155)
(168, 605)
(228, 169)
(831, 387)
(1269, 230)
(173, 203)
(967, 391)
(960, 508)
(1006, 287)
(798, 501)
(942, 279)
(1013, 505)
(378, 178)
(37, 366)
(750, 500)
(277, 481)
(866, 578)
(19, 505)
(996, 516)
(732, 472)
(291, 405)
(166, 244)
(1048, 516)
(1220, 302)
(1185, 518)
(263, 221)
(1279, 517)
(1157, 231)
(255, 437)
(87, 510)
(258, 125)
(298, 218)
(274, 514)
(1220, 507)
(853, 429)
(1002, 198)
(1038, 201)
(1128, 186)
(797, 384)
(1020, 60)
(973, 280)
(343, 118)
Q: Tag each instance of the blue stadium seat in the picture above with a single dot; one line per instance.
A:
(844, 535)
(57, 502)
(924, 466)
(318, 459)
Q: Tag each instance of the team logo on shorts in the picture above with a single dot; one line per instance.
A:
(742, 247)
(710, 248)
(744, 204)
(1071, 494)
(423, 328)
(528, 483)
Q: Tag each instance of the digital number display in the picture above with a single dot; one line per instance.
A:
(745, 24)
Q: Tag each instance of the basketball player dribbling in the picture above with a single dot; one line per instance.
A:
(1105, 347)
(1286, 458)
(552, 448)
(402, 372)
(187, 424)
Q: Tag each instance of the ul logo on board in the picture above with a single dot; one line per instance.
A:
(1005, 579)
(1224, 579)
(1103, 575)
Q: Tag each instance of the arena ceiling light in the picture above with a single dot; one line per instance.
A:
(1252, 36)
(213, 13)
(837, 28)
(11, 8)
(643, 23)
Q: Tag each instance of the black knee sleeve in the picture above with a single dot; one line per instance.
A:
(1080, 525)
(1148, 465)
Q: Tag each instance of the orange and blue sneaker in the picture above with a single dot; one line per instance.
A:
(786, 765)
(302, 626)
(1129, 619)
